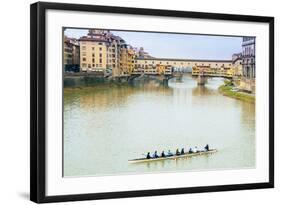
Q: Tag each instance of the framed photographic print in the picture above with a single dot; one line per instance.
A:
(129, 102)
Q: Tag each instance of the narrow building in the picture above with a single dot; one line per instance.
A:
(248, 57)
(71, 55)
(248, 64)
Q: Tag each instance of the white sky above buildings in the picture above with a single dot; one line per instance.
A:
(164, 45)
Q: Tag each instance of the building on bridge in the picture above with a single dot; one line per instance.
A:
(158, 65)
(206, 70)
(182, 63)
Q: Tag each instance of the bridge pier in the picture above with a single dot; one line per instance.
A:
(201, 80)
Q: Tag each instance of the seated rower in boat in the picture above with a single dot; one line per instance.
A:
(163, 154)
(155, 155)
(169, 153)
(190, 150)
(148, 156)
(182, 151)
(178, 152)
(206, 148)
(195, 150)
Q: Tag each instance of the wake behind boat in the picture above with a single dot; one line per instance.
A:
(173, 157)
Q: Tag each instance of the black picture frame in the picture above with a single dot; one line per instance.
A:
(38, 101)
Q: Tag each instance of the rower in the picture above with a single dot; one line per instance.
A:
(169, 153)
(148, 155)
(155, 155)
(190, 150)
(178, 152)
(206, 148)
(163, 154)
(195, 149)
(182, 151)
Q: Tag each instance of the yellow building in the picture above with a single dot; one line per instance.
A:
(160, 69)
(93, 51)
(131, 60)
(123, 60)
(127, 59)
(93, 55)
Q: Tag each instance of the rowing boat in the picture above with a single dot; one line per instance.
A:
(174, 157)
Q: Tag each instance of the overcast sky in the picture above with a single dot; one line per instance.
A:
(164, 45)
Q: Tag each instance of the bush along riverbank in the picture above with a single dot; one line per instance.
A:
(228, 89)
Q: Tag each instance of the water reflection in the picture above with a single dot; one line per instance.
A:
(106, 125)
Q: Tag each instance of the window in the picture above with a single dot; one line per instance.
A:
(93, 55)
(100, 48)
(93, 65)
(84, 59)
(93, 48)
(100, 55)
(84, 65)
(83, 54)
(93, 60)
(100, 60)
(83, 47)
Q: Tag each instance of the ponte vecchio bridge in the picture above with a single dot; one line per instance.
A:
(151, 65)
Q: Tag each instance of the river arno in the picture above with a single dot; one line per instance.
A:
(106, 125)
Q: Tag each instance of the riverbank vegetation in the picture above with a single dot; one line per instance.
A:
(227, 89)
